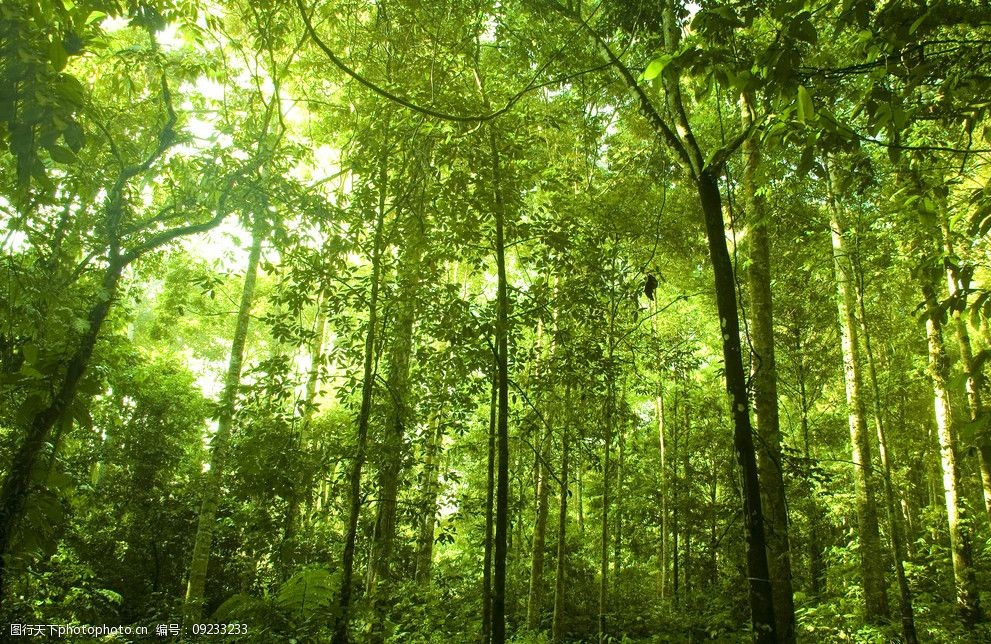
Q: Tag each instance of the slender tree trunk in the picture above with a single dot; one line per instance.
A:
(610, 416)
(659, 413)
(193, 606)
(287, 551)
(341, 635)
(618, 511)
(766, 390)
(961, 538)
(502, 424)
(871, 563)
(536, 594)
(489, 498)
(604, 532)
(397, 414)
(894, 512)
(817, 566)
(535, 598)
(659, 410)
(713, 526)
(17, 483)
(705, 177)
(975, 378)
(558, 624)
(676, 498)
(581, 494)
(687, 475)
(761, 593)
(428, 503)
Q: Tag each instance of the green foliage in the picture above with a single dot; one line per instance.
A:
(130, 131)
(299, 608)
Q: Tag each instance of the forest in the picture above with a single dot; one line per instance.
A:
(495, 321)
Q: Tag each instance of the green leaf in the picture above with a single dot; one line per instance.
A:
(918, 22)
(74, 136)
(975, 431)
(656, 66)
(806, 110)
(57, 55)
(61, 154)
(308, 592)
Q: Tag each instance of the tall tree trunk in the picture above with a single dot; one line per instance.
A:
(610, 416)
(305, 487)
(761, 594)
(659, 410)
(713, 575)
(871, 563)
(557, 628)
(502, 422)
(17, 483)
(581, 494)
(193, 605)
(604, 526)
(341, 635)
(961, 538)
(676, 498)
(535, 597)
(817, 565)
(687, 475)
(489, 498)
(428, 503)
(659, 413)
(536, 594)
(681, 140)
(766, 389)
(975, 378)
(397, 414)
(894, 512)
(618, 510)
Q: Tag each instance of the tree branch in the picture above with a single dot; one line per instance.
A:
(646, 106)
(395, 98)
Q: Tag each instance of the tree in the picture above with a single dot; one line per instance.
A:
(872, 573)
(193, 601)
(124, 234)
